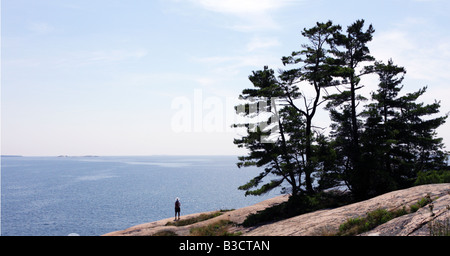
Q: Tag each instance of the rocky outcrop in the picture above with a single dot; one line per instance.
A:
(236, 216)
(327, 222)
(418, 223)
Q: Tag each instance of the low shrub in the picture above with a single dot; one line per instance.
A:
(432, 177)
(165, 233)
(421, 203)
(219, 228)
(189, 221)
(377, 217)
(360, 225)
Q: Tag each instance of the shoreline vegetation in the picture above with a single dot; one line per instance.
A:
(379, 142)
(421, 210)
(376, 142)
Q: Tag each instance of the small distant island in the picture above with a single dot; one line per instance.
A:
(77, 156)
(11, 156)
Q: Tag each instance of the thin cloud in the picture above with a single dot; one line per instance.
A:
(239, 7)
(232, 64)
(262, 43)
(423, 59)
(252, 15)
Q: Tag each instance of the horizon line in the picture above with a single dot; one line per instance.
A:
(138, 155)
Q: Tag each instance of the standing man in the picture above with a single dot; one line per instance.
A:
(177, 208)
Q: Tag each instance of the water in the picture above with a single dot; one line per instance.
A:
(89, 196)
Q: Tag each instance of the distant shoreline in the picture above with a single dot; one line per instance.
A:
(77, 156)
(48, 156)
(158, 155)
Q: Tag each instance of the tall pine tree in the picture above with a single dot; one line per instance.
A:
(373, 149)
(316, 70)
(264, 121)
(399, 139)
(292, 157)
(350, 51)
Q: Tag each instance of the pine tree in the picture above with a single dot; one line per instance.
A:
(399, 139)
(418, 147)
(382, 128)
(293, 154)
(316, 71)
(275, 155)
(350, 50)
(373, 149)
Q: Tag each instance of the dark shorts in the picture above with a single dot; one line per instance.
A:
(177, 209)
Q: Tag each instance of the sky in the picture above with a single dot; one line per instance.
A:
(161, 77)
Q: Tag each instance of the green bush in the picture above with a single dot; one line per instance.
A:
(377, 217)
(165, 233)
(351, 227)
(189, 221)
(400, 212)
(360, 225)
(421, 203)
(432, 177)
(219, 228)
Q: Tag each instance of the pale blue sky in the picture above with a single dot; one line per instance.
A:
(101, 77)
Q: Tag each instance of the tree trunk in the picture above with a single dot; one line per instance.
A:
(359, 173)
(308, 169)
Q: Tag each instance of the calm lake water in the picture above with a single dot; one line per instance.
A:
(89, 196)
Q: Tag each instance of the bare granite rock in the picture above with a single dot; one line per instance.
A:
(417, 223)
(236, 216)
(327, 222)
